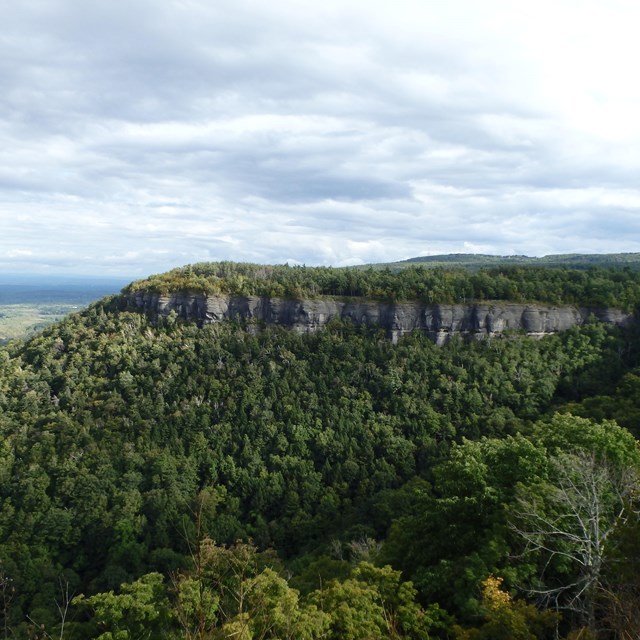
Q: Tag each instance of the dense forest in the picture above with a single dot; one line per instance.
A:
(161, 480)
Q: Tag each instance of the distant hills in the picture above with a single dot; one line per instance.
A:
(480, 260)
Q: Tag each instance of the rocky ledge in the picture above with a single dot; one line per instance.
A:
(438, 321)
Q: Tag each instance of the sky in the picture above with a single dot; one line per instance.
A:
(142, 135)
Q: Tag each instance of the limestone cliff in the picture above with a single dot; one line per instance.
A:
(438, 321)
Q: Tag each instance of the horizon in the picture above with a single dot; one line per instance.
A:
(70, 278)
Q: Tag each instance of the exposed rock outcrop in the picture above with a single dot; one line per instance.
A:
(438, 321)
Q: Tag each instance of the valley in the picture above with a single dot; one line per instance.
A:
(30, 303)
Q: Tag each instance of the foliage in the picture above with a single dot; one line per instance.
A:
(383, 475)
(139, 611)
(506, 618)
(231, 593)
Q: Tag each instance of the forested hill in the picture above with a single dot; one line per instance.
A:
(164, 480)
(568, 260)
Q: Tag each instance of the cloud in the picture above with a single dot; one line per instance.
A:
(140, 138)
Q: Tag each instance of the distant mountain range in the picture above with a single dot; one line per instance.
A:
(479, 260)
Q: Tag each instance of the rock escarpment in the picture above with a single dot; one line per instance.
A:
(438, 321)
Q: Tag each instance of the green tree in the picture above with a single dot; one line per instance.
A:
(375, 603)
(141, 610)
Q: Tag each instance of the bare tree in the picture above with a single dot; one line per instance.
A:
(621, 612)
(63, 611)
(568, 522)
(7, 591)
(63, 604)
(621, 581)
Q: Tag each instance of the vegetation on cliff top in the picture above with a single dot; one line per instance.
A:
(596, 287)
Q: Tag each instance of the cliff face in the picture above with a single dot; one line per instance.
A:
(438, 321)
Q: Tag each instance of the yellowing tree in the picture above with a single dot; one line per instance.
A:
(507, 619)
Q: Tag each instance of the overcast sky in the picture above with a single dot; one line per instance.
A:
(140, 135)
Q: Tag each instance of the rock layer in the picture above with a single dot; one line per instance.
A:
(438, 321)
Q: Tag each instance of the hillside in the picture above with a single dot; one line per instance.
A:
(378, 489)
(477, 261)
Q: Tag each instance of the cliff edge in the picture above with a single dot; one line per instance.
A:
(438, 321)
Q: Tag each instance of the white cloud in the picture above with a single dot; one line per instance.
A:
(168, 132)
